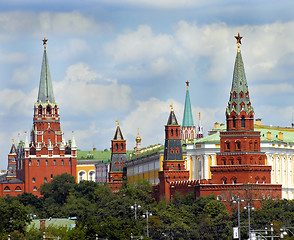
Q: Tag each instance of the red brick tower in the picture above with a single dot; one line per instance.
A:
(47, 154)
(118, 171)
(174, 169)
(241, 168)
(11, 168)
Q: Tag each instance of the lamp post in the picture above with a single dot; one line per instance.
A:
(135, 206)
(238, 201)
(147, 214)
(249, 208)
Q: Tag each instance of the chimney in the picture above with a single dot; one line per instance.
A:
(258, 121)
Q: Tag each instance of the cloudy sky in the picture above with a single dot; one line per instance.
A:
(128, 60)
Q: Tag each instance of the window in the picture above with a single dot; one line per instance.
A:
(45, 180)
(234, 181)
(34, 180)
(227, 144)
(177, 150)
(54, 162)
(62, 162)
(46, 162)
(30, 162)
(48, 110)
(219, 197)
(179, 166)
(239, 161)
(82, 176)
(238, 145)
(243, 122)
(121, 146)
(51, 176)
(176, 132)
(91, 176)
(255, 146)
(48, 132)
(172, 132)
(40, 110)
(116, 164)
(172, 150)
(122, 164)
(224, 181)
(38, 162)
(232, 161)
(116, 146)
(234, 122)
(234, 95)
(7, 189)
(69, 162)
(35, 188)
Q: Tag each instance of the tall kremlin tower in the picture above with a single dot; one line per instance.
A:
(241, 168)
(188, 127)
(47, 154)
(118, 170)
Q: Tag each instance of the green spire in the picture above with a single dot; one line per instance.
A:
(187, 117)
(45, 88)
(239, 95)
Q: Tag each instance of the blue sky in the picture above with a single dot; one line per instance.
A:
(128, 60)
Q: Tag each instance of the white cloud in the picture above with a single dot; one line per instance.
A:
(13, 57)
(44, 23)
(89, 92)
(139, 45)
(272, 89)
(21, 76)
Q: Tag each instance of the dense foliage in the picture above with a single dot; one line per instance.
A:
(99, 211)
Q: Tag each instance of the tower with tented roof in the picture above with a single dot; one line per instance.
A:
(118, 170)
(46, 154)
(188, 127)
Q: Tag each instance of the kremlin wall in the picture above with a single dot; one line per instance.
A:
(240, 158)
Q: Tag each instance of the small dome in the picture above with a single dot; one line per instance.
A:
(138, 139)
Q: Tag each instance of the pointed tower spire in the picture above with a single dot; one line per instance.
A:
(13, 149)
(172, 120)
(239, 112)
(118, 134)
(188, 127)
(73, 142)
(45, 88)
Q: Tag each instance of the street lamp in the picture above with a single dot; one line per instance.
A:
(249, 208)
(238, 201)
(147, 214)
(135, 206)
(284, 233)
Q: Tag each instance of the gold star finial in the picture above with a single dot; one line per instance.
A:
(12, 141)
(187, 84)
(117, 122)
(238, 41)
(45, 43)
(171, 106)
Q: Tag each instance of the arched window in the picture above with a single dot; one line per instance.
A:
(7, 189)
(172, 132)
(224, 181)
(51, 176)
(255, 146)
(62, 162)
(121, 146)
(38, 162)
(238, 145)
(45, 180)
(176, 132)
(172, 150)
(48, 109)
(91, 176)
(232, 161)
(239, 161)
(179, 166)
(46, 162)
(18, 189)
(177, 150)
(227, 144)
(250, 145)
(234, 95)
(69, 162)
(116, 146)
(35, 188)
(243, 122)
(40, 110)
(234, 122)
(30, 162)
(116, 164)
(34, 180)
(122, 164)
(82, 176)
(54, 162)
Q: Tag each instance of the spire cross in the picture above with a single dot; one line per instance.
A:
(187, 84)
(45, 43)
(238, 41)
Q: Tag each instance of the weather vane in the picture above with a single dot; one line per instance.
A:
(45, 43)
(238, 41)
(187, 84)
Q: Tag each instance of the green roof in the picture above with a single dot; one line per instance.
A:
(288, 134)
(187, 117)
(104, 156)
(239, 84)
(45, 88)
(52, 222)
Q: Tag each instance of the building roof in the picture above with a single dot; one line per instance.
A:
(13, 149)
(45, 88)
(239, 84)
(104, 156)
(118, 134)
(265, 130)
(172, 120)
(52, 222)
(187, 117)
